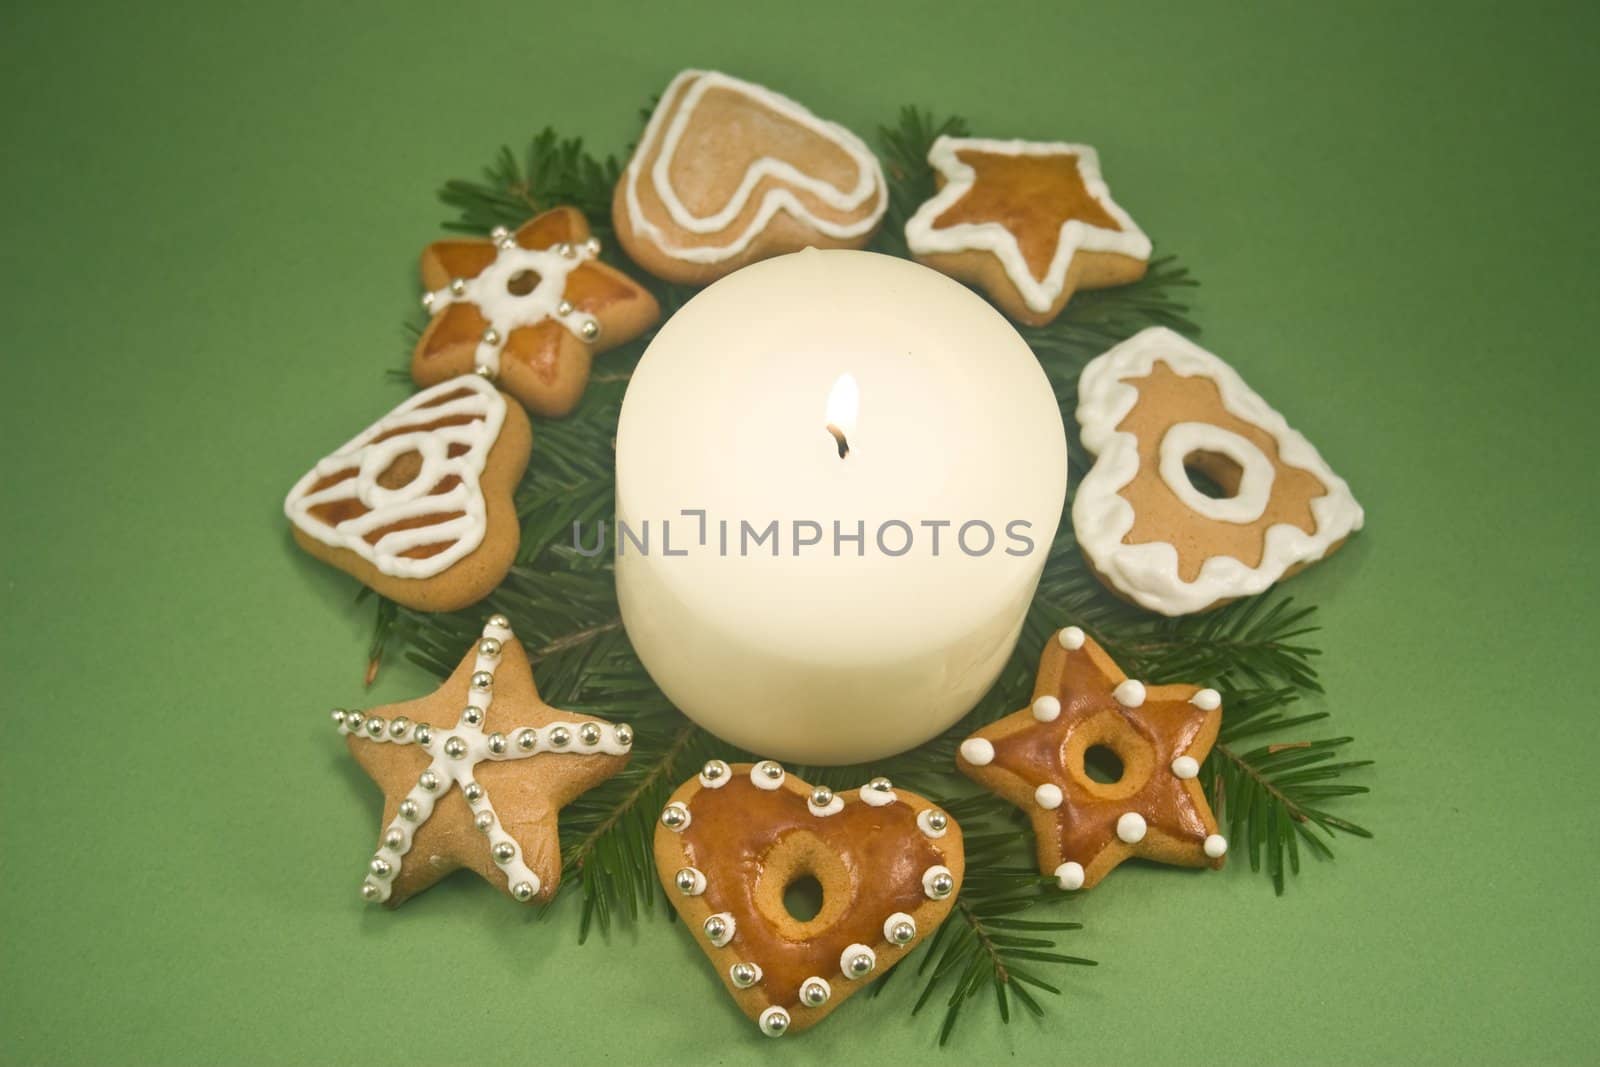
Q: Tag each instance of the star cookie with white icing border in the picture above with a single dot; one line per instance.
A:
(1161, 734)
(418, 506)
(730, 842)
(728, 172)
(474, 775)
(1157, 406)
(1028, 222)
(528, 309)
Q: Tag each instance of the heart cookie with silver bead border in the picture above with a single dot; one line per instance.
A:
(733, 840)
(474, 775)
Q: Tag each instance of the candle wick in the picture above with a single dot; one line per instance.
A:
(839, 439)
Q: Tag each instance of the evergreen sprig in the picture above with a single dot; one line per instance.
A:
(1003, 934)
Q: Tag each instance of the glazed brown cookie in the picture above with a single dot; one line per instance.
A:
(732, 840)
(473, 776)
(1157, 407)
(728, 173)
(528, 310)
(1028, 222)
(1036, 758)
(418, 505)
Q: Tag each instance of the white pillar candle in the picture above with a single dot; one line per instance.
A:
(766, 620)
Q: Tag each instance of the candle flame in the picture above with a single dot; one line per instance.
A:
(844, 402)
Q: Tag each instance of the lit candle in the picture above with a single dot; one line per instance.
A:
(838, 477)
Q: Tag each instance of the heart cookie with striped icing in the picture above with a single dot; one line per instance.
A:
(728, 173)
(733, 840)
(418, 506)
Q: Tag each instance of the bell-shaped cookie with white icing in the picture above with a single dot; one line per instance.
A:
(1158, 408)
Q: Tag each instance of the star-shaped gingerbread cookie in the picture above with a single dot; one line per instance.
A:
(474, 775)
(1029, 222)
(527, 309)
(1036, 758)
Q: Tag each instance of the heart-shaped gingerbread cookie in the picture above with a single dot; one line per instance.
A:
(731, 841)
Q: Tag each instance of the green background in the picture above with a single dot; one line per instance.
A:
(211, 217)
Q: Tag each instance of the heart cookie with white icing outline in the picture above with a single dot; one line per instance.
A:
(731, 841)
(729, 172)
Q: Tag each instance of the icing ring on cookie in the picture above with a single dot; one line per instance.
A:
(1152, 408)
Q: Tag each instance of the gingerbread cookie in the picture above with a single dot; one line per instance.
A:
(1158, 406)
(527, 310)
(418, 505)
(1084, 827)
(728, 173)
(732, 840)
(483, 793)
(1028, 222)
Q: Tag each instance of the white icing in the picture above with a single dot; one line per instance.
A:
(761, 780)
(1207, 700)
(1070, 876)
(1148, 573)
(877, 798)
(728, 929)
(1047, 709)
(977, 751)
(720, 780)
(895, 920)
(928, 877)
(834, 806)
(1131, 827)
(445, 770)
(1040, 294)
(1248, 503)
(852, 951)
(1048, 796)
(484, 406)
(1071, 638)
(506, 311)
(1216, 846)
(927, 828)
(1185, 767)
(868, 188)
(1130, 694)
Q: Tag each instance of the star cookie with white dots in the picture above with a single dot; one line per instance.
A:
(1084, 706)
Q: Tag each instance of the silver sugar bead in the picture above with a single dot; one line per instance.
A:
(380, 867)
(821, 796)
(814, 993)
(491, 336)
(472, 715)
(675, 817)
(560, 736)
(716, 927)
(487, 373)
(427, 301)
(482, 680)
(774, 1022)
(902, 933)
(473, 792)
(859, 965)
(504, 852)
(624, 734)
(455, 748)
(528, 740)
(338, 716)
(937, 820)
(589, 733)
(744, 975)
(684, 880)
(422, 733)
(352, 720)
(506, 244)
(484, 821)
(523, 891)
(770, 769)
(394, 838)
(880, 785)
(429, 781)
(941, 885)
(713, 770)
(564, 308)
(590, 329)
(408, 810)
(499, 233)
(499, 622)
(398, 728)
(458, 286)
(592, 246)
(375, 726)
(370, 893)
(566, 250)
(497, 744)
(488, 647)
